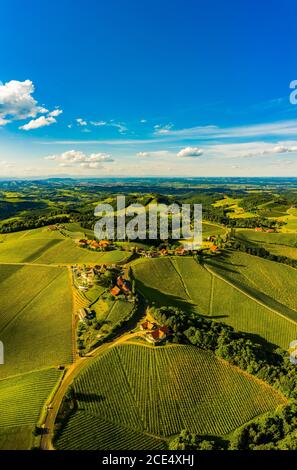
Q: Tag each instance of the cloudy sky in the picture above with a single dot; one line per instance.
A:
(151, 88)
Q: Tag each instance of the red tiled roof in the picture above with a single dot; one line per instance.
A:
(115, 290)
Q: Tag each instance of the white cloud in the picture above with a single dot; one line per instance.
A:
(143, 121)
(163, 130)
(118, 125)
(273, 150)
(280, 128)
(81, 122)
(98, 123)
(39, 122)
(157, 153)
(17, 102)
(190, 152)
(55, 112)
(75, 158)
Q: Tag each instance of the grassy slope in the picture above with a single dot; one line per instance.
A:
(199, 291)
(272, 282)
(51, 247)
(21, 400)
(35, 330)
(161, 391)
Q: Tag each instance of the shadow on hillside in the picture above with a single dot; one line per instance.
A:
(89, 397)
(157, 298)
(217, 316)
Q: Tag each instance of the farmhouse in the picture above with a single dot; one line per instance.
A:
(115, 291)
(158, 335)
(103, 243)
(147, 325)
(180, 251)
(213, 248)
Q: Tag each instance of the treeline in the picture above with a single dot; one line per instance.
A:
(272, 366)
(32, 222)
(240, 245)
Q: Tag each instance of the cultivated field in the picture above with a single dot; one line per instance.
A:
(42, 246)
(36, 317)
(289, 239)
(159, 392)
(21, 400)
(272, 282)
(160, 280)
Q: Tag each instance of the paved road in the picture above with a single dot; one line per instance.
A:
(71, 374)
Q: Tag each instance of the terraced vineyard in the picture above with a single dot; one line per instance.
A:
(159, 392)
(21, 400)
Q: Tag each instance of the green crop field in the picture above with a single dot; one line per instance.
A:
(209, 229)
(158, 280)
(234, 308)
(42, 246)
(35, 321)
(119, 311)
(21, 400)
(85, 431)
(68, 253)
(197, 282)
(201, 292)
(289, 239)
(281, 250)
(272, 282)
(159, 392)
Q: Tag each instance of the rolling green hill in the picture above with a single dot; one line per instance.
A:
(156, 393)
(183, 283)
(36, 317)
(21, 400)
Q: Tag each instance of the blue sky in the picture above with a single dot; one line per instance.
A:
(177, 88)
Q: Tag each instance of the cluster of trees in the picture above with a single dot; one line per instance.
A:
(32, 222)
(262, 252)
(274, 431)
(190, 441)
(271, 365)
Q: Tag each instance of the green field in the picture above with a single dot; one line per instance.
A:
(289, 239)
(209, 229)
(273, 283)
(183, 283)
(45, 247)
(21, 400)
(36, 317)
(158, 392)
